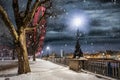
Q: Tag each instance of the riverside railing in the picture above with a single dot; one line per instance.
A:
(63, 61)
(109, 68)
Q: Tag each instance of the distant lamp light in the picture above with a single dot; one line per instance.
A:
(65, 45)
(103, 55)
(48, 48)
(42, 52)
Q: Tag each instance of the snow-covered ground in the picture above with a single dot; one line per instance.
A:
(7, 62)
(45, 70)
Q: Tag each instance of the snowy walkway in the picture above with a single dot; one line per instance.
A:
(6, 64)
(45, 70)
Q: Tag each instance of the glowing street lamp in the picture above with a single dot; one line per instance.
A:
(77, 22)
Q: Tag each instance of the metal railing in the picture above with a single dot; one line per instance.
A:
(109, 68)
(63, 61)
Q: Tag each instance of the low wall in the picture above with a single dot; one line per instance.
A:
(76, 64)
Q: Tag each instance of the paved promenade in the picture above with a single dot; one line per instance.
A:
(45, 70)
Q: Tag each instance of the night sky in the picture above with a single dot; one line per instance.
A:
(99, 28)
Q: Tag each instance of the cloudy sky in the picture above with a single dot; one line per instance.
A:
(99, 27)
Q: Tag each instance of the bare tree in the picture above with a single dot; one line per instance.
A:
(23, 22)
(37, 36)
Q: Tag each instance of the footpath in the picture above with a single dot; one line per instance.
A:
(46, 70)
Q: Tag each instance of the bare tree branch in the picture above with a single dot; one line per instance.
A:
(15, 7)
(29, 16)
(37, 25)
(48, 7)
(8, 23)
(31, 28)
(16, 11)
(28, 7)
(43, 2)
(45, 14)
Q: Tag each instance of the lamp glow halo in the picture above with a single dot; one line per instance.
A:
(78, 21)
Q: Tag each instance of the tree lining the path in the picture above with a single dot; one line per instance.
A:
(23, 22)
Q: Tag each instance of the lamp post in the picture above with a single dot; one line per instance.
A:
(78, 23)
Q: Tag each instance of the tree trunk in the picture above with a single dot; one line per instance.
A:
(13, 54)
(34, 58)
(23, 63)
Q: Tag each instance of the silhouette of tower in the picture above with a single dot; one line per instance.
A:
(78, 52)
